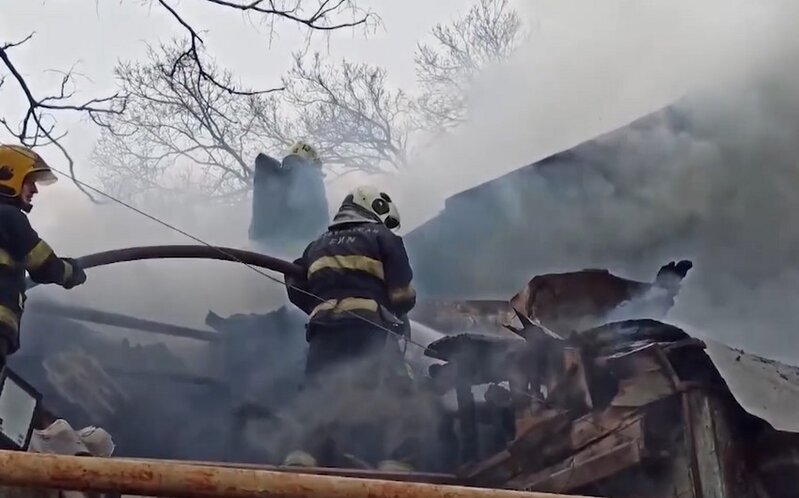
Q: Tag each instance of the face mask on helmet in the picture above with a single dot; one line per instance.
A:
(378, 203)
(386, 210)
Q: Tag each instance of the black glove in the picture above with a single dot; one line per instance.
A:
(78, 275)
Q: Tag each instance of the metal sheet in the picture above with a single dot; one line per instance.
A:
(765, 388)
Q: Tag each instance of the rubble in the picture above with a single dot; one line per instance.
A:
(629, 408)
(571, 386)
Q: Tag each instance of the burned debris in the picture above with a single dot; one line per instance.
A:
(537, 402)
(628, 408)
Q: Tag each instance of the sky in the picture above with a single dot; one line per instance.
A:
(586, 68)
(93, 36)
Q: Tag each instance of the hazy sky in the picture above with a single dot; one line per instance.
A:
(92, 36)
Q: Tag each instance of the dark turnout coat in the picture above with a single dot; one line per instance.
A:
(22, 250)
(356, 268)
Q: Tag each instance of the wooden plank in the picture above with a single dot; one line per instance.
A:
(610, 455)
(537, 422)
(714, 447)
(551, 424)
(504, 465)
(573, 362)
(467, 418)
(495, 470)
(629, 363)
(594, 426)
(123, 321)
(595, 469)
(643, 389)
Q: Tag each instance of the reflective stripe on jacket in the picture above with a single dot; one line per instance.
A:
(355, 269)
(22, 250)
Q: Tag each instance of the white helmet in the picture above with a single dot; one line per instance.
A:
(376, 203)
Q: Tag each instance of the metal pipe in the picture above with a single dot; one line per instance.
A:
(186, 252)
(180, 480)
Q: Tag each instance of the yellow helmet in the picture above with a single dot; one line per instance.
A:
(305, 151)
(16, 164)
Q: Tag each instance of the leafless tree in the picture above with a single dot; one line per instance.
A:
(178, 123)
(350, 112)
(188, 117)
(317, 16)
(179, 126)
(37, 126)
(446, 67)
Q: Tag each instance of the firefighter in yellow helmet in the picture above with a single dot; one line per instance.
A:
(22, 171)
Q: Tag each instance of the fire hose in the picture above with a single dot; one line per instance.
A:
(185, 252)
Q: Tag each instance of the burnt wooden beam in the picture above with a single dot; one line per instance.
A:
(120, 320)
(495, 470)
(613, 453)
(581, 473)
(467, 416)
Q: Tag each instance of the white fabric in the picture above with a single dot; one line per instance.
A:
(60, 438)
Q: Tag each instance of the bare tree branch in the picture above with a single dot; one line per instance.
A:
(318, 20)
(188, 120)
(37, 126)
(348, 110)
(33, 129)
(180, 126)
(446, 69)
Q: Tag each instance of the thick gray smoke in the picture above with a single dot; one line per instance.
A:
(711, 179)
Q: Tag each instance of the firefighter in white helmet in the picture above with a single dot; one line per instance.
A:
(357, 291)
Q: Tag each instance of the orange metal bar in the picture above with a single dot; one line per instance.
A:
(182, 480)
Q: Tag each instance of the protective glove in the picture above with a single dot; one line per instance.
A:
(78, 276)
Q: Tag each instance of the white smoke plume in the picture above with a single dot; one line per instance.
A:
(717, 187)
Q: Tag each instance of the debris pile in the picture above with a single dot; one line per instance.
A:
(571, 386)
(627, 408)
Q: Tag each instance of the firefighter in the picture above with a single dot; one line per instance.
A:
(289, 204)
(21, 249)
(357, 291)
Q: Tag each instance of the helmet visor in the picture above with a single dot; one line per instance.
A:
(392, 223)
(42, 176)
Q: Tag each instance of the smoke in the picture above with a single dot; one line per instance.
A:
(586, 69)
(174, 291)
(711, 179)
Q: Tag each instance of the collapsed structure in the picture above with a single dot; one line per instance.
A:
(629, 408)
(571, 402)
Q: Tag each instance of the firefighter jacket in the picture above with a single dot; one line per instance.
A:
(22, 250)
(289, 204)
(355, 269)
